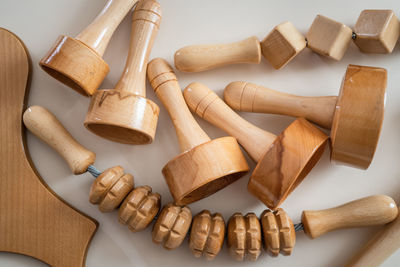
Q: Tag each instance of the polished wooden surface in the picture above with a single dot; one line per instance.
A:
(204, 166)
(328, 37)
(377, 31)
(196, 58)
(368, 211)
(207, 234)
(246, 96)
(124, 114)
(34, 220)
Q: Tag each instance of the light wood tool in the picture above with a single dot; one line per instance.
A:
(34, 221)
(124, 114)
(204, 166)
(77, 62)
(283, 161)
(355, 117)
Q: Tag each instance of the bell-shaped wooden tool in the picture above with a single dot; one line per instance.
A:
(77, 62)
(283, 161)
(124, 114)
(355, 117)
(204, 166)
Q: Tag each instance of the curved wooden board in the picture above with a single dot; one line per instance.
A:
(34, 221)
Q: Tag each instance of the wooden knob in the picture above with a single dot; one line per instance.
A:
(124, 115)
(77, 62)
(244, 96)
(172, 226)
(139, 208)
(207, 234)
(48, 128)
(204, 166)
(279, 233)
(368, 211)
(110, 188)
(205, 57)
(244, 237)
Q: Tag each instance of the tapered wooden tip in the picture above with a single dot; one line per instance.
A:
(233, 95)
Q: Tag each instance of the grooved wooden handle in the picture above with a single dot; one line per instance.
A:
(99, 32)
(368, 211)
(48, 128)
(250, 97)
(145, 24)
(165, 84)
(204, 57)
(210, 107)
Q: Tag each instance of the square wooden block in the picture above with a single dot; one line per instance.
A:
(377, 31)
(282, 44)
(328, 37)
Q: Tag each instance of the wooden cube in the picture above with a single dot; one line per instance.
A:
(377, 31)
(328, 37)
(282, 44)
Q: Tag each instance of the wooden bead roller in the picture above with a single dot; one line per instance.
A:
(283, 161)
(124, 114)
(355, 117)
(77, 62)
(204, 166)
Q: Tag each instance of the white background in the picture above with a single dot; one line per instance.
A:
(39, 23)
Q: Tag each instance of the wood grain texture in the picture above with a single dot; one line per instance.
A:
(368, 211)
(197, 58)
(328, 37)
(246, 96)
(377, 31)
(205, 166)
(57, 234)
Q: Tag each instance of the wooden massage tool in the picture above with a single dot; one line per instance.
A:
(204, 165)
(283, 161)
(376, 31)
(77, 62)
(124, 114)
(355, 117)
(207, 231)
(34, 221)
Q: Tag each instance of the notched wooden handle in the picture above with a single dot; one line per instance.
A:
(48, 128)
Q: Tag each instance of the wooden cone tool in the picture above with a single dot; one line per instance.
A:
(77, 62)
(204, 166)
(355, 117)
(124, 114)
(283, 161)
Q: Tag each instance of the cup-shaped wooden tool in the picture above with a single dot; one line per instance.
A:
(77, 62)
(283, 161)
(124, 114)
(204, 166)
(355, 117)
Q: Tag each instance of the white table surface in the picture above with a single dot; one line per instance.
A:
(38, 24)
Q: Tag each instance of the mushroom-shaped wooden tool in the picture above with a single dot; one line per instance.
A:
(204, 166)
(77, 62)
(355, 117)
(283, 161)
(124, 114)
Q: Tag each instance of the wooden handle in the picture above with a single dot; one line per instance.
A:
(204, 57)
(250, 97)
(47, 127)
(210, 107)
(145, 24)
(165, 84)
(99, 32)
(368, 211)
(384, 243)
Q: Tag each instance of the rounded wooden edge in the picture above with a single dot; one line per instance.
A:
(122, 117)
(204, 170)
(75, 64)
(359, 114)
(287, 162)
